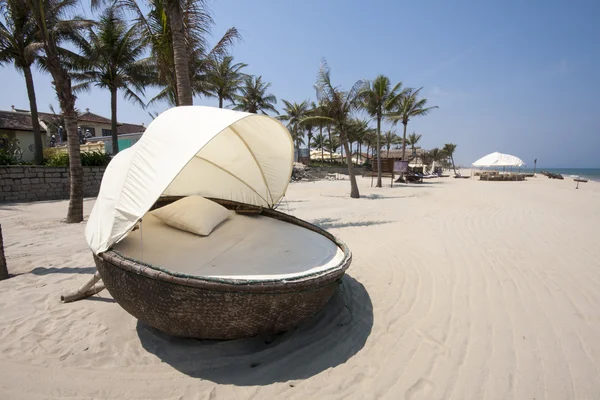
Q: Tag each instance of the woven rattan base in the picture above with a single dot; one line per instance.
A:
(210, 308)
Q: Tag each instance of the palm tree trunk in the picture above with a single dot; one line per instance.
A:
(3, 268)
(359, 151)
(35, 122)
(296, 145)
(64, 92)
(353, 185)
(453, 167)
(322, 154)
(404, 143)
(220, 102)
(401, 177)
(113, 121)
(75, 212)
(378, 151)
(330, 144)
(182, 71)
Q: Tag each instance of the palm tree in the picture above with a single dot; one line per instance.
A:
(181, 76)
(295, 113)
(189, 21)
(224, 79)
(320, 142)
(449, 149)
(319, 111)
(332, 145)
(436, 155)
(408, 106)
(110, 58)
(49, 16)
(253, 96)
(412, 140)
(175, 10)
(426, 159)
(390, 139)
(370, 140)
(315, 111)
(377, 98)
(19, 45)
(359, 129)
(338, 106)
(309, 125)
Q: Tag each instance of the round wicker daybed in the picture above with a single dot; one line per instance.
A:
(260, 271)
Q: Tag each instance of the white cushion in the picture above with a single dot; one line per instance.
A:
(193, 214)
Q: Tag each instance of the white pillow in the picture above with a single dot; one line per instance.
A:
(193, 214)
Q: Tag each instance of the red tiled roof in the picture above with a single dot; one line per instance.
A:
(91, 117)
(12, 120)
(397, 153)
(21, 120)
(130, 128)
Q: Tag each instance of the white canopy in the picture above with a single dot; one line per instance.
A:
(190, 150)
(499, 160)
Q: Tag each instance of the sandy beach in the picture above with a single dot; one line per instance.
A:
(459, 289)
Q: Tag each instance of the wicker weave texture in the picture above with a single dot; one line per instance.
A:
(209, 314)
(204, 308)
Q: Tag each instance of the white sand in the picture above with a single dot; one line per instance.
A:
(459, 289)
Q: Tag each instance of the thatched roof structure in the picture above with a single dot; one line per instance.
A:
(396, 154)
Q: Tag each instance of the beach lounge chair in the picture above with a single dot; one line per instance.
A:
(212, 258)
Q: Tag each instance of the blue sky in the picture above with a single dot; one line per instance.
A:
(519, 77)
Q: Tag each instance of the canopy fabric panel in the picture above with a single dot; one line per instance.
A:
(190, 150)
(499, 160)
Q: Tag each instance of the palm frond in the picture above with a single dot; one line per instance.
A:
(221, 49)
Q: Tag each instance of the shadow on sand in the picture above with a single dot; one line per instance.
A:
(375, 196)
(100, 298)
(328, 223)
(369, 196)
(66, 270)
(328, 339)
(420, 184)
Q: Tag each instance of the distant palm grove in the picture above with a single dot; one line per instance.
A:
(126, 49)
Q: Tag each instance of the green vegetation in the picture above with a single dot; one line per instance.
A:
(408, 106)
(254, 97)
(165, 44)
(449, 149)
(295, 114)
(10, 151)
(109, 57)
(19, 45)
(88, 159)
(337, 106)
(378, 98)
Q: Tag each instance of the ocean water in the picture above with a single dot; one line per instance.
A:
(588, 173)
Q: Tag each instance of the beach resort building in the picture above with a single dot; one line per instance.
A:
(17, 124)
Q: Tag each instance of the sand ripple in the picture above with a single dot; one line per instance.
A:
(459, 290)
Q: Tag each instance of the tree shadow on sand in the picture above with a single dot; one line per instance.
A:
(328, 339)
(429, 184)
(65, 270)
(328, 223)
(375, 196)
(372, 196)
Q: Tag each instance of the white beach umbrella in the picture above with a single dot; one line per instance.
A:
(499, 160)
